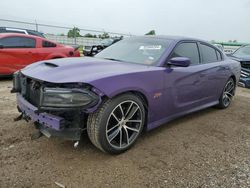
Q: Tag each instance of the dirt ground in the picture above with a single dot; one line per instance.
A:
(210, 148)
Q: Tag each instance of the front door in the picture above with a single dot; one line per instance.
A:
(16, 53)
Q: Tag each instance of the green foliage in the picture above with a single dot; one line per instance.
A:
(89, 35)
(104, 36)
(152, 32)
(75, 32)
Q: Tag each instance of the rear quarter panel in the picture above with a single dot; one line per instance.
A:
(60, 51)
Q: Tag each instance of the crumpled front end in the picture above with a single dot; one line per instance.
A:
(57, 110)
(245, 74)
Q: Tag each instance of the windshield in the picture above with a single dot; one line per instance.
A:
(243, 51)
(136, 50)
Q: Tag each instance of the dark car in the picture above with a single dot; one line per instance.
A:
(95, 49)
(21, 31)
(242, 55)
(136, 84)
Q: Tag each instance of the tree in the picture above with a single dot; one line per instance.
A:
(104, 36)
(152, 32)
(75, 32)
(89, 35)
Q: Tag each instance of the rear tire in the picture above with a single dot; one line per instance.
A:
(227, 94)
(117, 124)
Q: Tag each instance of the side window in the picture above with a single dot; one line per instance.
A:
(18, 42)
(209, 54)
(187, 49)
(47, 44)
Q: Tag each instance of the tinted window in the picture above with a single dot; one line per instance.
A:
(18, 42)
(208, 54)
(187, 49)
(47, 44)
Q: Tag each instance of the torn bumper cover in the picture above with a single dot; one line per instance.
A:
(50, 125)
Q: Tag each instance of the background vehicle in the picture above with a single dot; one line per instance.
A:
(242, 55)
(21, 31)
(95, 49)
(20, 50)
(137, 83)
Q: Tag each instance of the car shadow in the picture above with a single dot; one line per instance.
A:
(6, 78)
(181, 120)
(85, 143)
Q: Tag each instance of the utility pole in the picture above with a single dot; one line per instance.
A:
(36, 25)
(74, 30)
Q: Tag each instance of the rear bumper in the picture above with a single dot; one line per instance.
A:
(50, 125)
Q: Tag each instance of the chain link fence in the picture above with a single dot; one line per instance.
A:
(58, 33)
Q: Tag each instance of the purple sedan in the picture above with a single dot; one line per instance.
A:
(138, 83)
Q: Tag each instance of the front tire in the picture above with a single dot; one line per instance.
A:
(117, 124)
(227, 94)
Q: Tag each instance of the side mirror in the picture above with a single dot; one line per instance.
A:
(179, 61)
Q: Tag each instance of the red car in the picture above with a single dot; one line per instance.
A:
(20, 50)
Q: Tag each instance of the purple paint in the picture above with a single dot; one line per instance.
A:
(183, 89)
(48, 120)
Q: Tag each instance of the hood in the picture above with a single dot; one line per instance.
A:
(240, 58)
(84, 69)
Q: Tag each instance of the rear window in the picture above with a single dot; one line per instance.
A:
(47, 44)
(18, 42)
(209, 54)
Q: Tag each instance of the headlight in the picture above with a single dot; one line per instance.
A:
(67, 98)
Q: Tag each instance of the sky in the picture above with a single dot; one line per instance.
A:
(220, 20)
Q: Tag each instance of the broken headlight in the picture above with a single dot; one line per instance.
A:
(16, 82)
(67, 98)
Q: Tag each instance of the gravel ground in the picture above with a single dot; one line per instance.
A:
(210, 148)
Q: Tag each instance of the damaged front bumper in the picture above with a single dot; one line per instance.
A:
(57, 110)
(245, 78)
(48, 124)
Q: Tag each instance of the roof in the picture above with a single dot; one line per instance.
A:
(18, 35)
(170, 37)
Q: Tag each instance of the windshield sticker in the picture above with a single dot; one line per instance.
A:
(151, 47)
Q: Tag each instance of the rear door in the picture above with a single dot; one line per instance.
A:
(187, 85)
(17, 52)
(215, 71)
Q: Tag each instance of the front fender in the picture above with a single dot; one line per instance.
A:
(149, 83)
